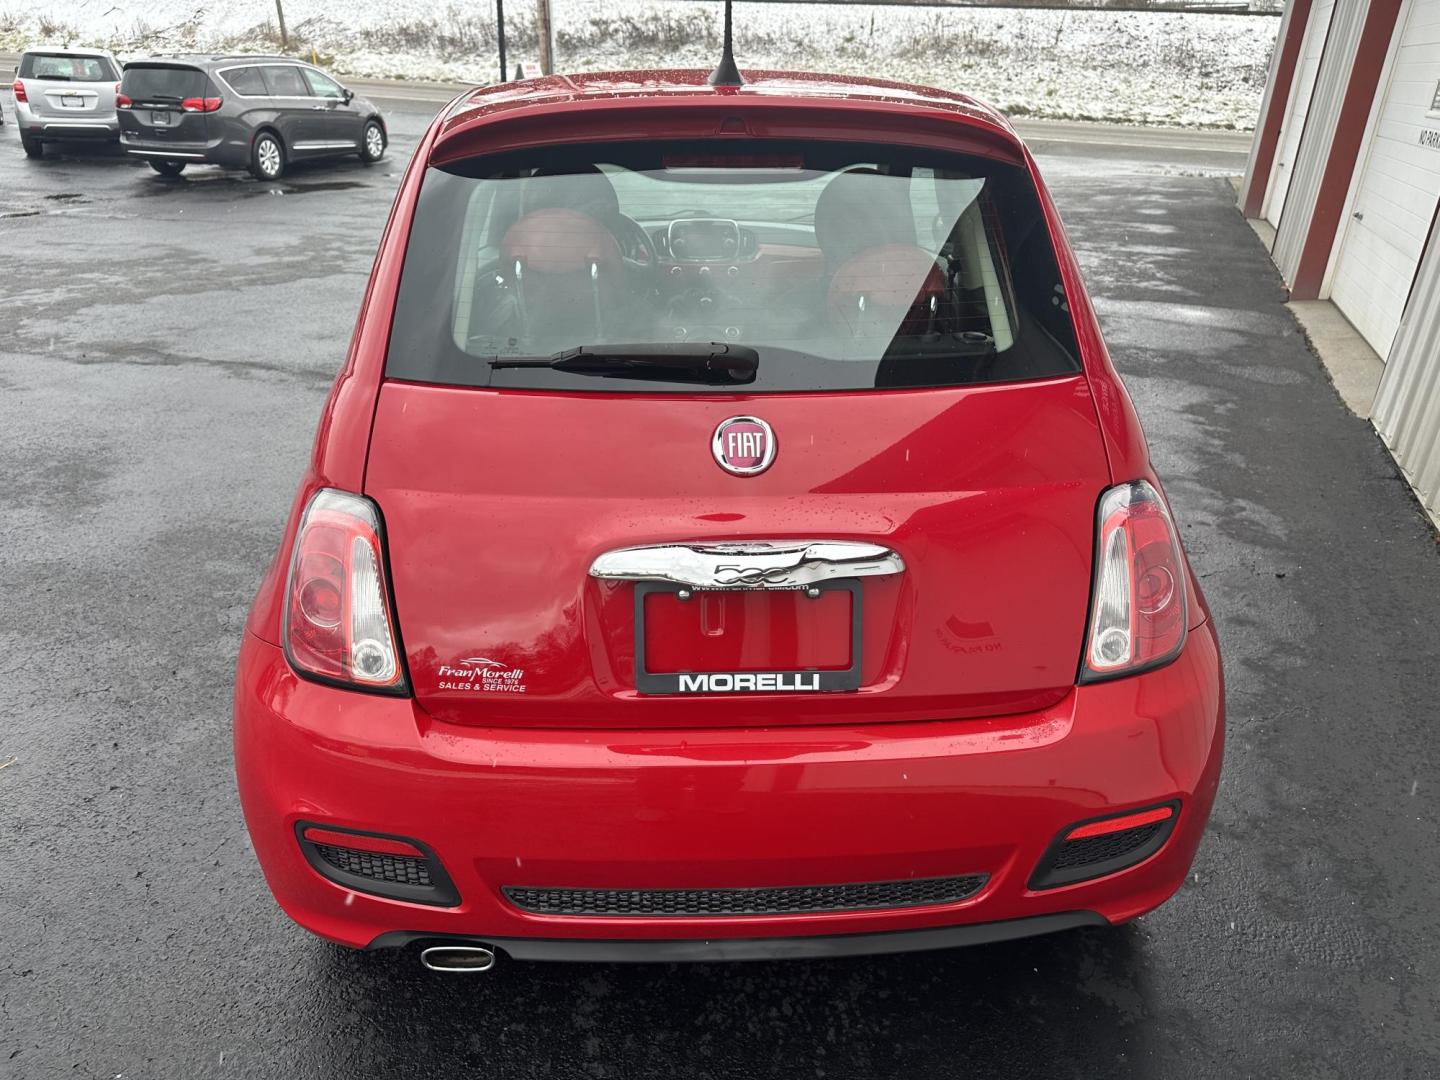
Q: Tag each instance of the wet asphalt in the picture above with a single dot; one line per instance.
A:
(165, 347)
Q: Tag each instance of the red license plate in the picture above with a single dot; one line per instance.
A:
(747, 640)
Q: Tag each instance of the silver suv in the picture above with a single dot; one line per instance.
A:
(64, 93)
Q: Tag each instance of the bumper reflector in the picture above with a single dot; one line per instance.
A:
(1093, 849)
(1120, 824)
(380, 845)
(389, 866)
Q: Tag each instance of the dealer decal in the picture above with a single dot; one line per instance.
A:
(481, 675)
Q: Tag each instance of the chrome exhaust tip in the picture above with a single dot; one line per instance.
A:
(458, 959)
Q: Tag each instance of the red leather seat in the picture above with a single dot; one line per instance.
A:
(560, 242)
(887, 290)
(566, 270)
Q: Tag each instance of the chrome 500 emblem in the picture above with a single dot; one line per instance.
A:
(743, 445)
(730, 576)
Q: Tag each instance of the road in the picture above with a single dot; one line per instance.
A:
(164, 350)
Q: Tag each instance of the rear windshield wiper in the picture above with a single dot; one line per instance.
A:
(709, 362)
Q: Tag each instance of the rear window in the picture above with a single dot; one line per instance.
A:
(157, 82)
(66, 68)
(844, 267)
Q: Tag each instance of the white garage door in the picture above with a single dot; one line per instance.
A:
(1399, 186)
(1302, 87)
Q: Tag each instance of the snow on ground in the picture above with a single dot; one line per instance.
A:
(1186, 69)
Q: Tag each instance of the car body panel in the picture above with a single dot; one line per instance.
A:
(581, 96)
(678, 102)
(338, 123)
(342, 440)
(295, 115)
(155, 118)
(987, 493)
(715, 807)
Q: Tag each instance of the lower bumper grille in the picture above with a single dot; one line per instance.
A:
(1103, 849)
(396, 867)
(782, 900)
(392, 868)
(1073, 858)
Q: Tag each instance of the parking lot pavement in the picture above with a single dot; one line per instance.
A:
(164, 350)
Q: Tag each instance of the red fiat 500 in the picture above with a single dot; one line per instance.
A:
(727, 538)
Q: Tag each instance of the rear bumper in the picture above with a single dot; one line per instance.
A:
(815, 947)
(219, 151)
(724, 809)
(98, 127)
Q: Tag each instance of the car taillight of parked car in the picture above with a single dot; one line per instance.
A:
(1138, 604)
(338, 623)
(121, 100)
(200, 104)
(19, 90)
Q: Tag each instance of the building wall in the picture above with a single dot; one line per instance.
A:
(1347, 22)
(1292, 128)
(1328, 187)
(1283, 62)
(1407, 406)
(1397, 184)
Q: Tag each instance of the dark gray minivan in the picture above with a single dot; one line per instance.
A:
(253, 112)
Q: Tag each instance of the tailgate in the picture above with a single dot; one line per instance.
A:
(968, 513)
(156, 92)
(67, 101)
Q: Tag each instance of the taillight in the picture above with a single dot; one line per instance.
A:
(200, 104)
(338, 622)
(121, 101)
(18, 89)
(1138, 604)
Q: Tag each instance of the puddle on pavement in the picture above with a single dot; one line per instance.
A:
(64, 199)
(239, 186)
(303, 189)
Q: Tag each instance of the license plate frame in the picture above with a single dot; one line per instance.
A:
(776, 681)
(160, 118)
(72, 101)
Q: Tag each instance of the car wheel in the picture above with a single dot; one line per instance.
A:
(372, 145)
(267, 157)
(31, 146)
(168, 168)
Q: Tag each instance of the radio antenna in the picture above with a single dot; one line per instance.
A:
(726, 73)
